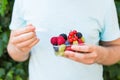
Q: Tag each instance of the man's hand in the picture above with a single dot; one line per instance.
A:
(21, 41)
(107, 54)
(86, 54)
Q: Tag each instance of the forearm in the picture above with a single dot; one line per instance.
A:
(110, 55)
(17, 54)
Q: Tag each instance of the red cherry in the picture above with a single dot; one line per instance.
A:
(74, 31)
(71, 33)
(74, 39)
(80, 41)
(70, 40)
(69, 37)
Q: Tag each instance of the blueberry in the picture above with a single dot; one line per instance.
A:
(79, 35)
(67, 43)
(64, 35)
(56, 48)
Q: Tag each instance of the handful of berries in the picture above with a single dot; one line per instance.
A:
(63, 42)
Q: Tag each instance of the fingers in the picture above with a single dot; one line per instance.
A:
(23, 37)
(28, 47)
(27, 43)
(86, 58)
(34, 43)
(24, 30)
(83, 48)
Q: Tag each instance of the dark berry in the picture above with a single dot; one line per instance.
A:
(56, 48)
(79, 35)
(64, 36)
(67, 43)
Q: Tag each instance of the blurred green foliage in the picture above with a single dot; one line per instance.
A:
(11, 70)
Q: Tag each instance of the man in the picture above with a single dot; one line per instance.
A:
(35, 20)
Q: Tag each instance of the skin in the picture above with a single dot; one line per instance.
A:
(22, 40)
(107, 53)
(20, 43)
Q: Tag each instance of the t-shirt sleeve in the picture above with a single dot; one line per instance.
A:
(111, 29)
(17, 20)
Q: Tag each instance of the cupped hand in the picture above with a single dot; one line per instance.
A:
(87, 54)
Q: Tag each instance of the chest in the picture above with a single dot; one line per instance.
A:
(64, 15)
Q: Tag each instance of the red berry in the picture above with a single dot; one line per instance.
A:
(81, 44)
(80, 41)
(71, 33)
(54, 40)
(68, 48)
(60, 40)
(69, 37)
(74, 39)
(74, 31)
(70, 40)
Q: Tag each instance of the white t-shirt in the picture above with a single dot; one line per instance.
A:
(95, 19)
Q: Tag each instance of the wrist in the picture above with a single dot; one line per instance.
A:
(16, 54)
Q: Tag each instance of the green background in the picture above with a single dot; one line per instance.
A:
(11, 70)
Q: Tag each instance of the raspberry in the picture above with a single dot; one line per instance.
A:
(60, 40)
(54, 40)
